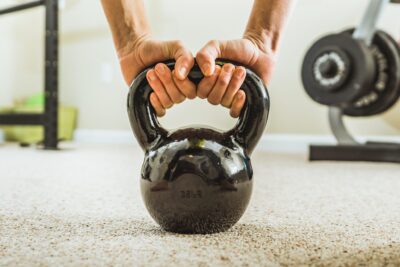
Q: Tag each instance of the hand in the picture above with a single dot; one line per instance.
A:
(169, 87)
(223, 86)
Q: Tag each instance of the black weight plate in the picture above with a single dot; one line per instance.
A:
(386, 96)
(394, 72)
(360, 77)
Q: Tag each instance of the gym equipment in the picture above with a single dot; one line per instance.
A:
(341, 71)
(356, 73)
(49, 118)
(197, 180)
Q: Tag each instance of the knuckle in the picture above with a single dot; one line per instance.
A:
(175, 96)
(213, 42)
(156, 90)
(168, 104)
(217, 72)
(228, 97)
(192, 93)
(237, 79)
(235, 84)
(202, 55)
(164, 99)
(202, 94)
(190, 60)
(178, 43)
(180, 99)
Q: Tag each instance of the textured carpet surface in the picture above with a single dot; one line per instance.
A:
(82, 207)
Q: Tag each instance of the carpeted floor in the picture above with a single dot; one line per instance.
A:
(82, 207)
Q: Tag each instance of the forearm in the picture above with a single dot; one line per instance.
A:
(267, 21)
(127, 21)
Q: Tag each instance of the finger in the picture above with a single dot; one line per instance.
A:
(238, 103)
(184, 63)
(186, 87)
(216, 94)
(207, 83)
(237, 80)
(183, 57)
(159, 89)
(165, 76)
(207, 55)
(155, 102)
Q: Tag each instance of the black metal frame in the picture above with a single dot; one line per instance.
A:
(48, 119)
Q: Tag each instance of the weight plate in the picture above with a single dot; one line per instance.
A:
(386, 86)
(355, 68)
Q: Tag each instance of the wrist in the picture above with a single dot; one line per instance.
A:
(266, 40)
(132, 42)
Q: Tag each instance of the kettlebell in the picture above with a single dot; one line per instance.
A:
(197, 180)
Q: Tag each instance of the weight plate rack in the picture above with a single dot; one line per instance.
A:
(384, 51)
(49, 118)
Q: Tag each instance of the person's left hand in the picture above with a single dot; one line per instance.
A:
(222, 86)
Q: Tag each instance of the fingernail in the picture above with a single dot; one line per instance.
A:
(182, 72)
(152, 75)
(240, 73)
(228, 68)
(160, 68)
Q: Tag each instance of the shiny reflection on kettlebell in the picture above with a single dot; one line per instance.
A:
(197, 180)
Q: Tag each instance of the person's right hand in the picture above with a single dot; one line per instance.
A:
(170, 87)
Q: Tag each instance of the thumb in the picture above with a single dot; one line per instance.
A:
(207, 55)
(184, 59)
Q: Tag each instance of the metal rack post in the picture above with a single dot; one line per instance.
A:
(48, 119)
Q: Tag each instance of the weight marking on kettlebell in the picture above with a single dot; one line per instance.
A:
(191, 194)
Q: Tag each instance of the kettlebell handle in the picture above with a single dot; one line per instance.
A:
(247, 132)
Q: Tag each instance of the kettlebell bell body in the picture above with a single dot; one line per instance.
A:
(197, 180)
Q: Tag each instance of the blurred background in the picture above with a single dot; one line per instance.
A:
(90, 79)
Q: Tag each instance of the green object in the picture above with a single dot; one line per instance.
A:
(35, 101)
(67, 117)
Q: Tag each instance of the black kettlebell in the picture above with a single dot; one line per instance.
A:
(197, 180)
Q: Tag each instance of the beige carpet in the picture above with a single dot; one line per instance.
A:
(82, 207)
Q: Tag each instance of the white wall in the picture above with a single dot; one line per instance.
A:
(21, 53)
(89, 72)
